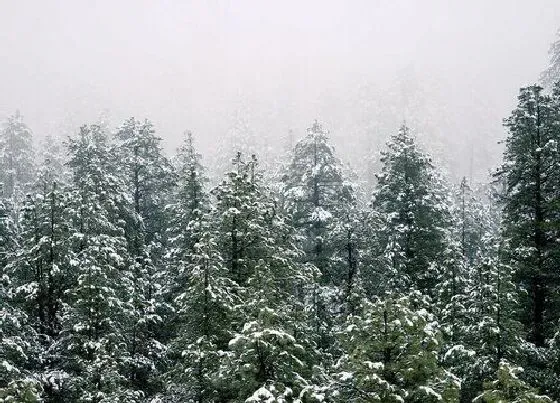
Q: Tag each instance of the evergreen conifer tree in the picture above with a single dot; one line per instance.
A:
(530, 218)
(391, 355)
(206, 309)
(94, 343)
(272, 348)
(16, 155)
(318, 197)
(147, 176)
(18, 340)
(189, 204)
(414, 217)
(41, 274)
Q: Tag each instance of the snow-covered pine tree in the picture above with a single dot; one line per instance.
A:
(414, 217)
(8, 235)
(43, 256)
(509, 387)
(16, 155)
(272, 349)
(550, 373)
(206, 308)
(55, 159)
(321, 203)
(190, 203)
(18, 341)
(237, 216)
(40, 269)
(147, 177)
(95, 325)
(469, 221)
(390, 354)
(319, 197)
(471, 244)
(530, 162)
(449, 293)
(198, 284)
(491, 332)
(531, 222)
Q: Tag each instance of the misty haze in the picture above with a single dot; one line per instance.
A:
(281, 202)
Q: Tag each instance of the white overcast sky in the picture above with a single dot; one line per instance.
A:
(189, 64)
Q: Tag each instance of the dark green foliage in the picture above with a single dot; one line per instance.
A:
(529, 214)
(16, 155)
(93, 342)
(318, 197)
(146, 175)
(123, 279)
(413, 217)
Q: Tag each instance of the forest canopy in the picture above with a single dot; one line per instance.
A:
(131, 275)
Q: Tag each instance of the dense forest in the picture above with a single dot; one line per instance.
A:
(129, 276)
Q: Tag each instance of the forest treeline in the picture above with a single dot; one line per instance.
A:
(127, 277)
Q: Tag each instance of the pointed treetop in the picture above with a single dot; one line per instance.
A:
(317, 128)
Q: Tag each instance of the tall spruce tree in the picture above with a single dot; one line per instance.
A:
(16, 155)
(470, 221)
(206, 307)
(8, 235)
(202, 293)
(530, 226)
(18, 340)
(390, 354)
(236, 215)
(271, 349)
(414, 218)
(190, 203)
(318, 197)
(491, 332)
(94, 344)
(41, 267)
(530, 220)
(147, 175)
(321, 203)
(449, 292)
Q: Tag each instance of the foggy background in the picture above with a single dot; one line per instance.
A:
(450, 69)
